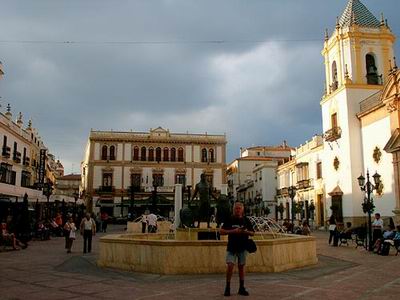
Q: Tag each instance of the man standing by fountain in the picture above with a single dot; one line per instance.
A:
(238, 229)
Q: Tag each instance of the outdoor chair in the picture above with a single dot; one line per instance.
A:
(344, 238)
(359, 237)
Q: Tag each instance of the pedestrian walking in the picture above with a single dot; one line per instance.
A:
(70, 233)
(332, 230)
(238, 229)
(104, 221)
(88, 230)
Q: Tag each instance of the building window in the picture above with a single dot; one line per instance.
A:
(104, 152)
(211, 155)
(136, 153)
(107, 179)
(180, 179)
(180, 154)
(7, 175)
(334, 122)
(166, 154)
(204, 155)
(25, 179)
(372, 70)
(151, 154)
(158, 180)
(158, 154)
(112, 153)
(143, 154)
(335, 83)
(319, 170)
(173, 154)
(136, 179)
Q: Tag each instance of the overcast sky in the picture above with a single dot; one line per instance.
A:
(143, 64)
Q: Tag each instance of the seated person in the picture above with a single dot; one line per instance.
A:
(387, 235)
(8, 237)
(347, 232)
(305, 229)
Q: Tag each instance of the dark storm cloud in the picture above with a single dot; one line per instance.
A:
(258, 87)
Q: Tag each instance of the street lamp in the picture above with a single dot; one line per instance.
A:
(292, 193)
(48, 191)
(368, 204)
(157, 181)
(135, 187)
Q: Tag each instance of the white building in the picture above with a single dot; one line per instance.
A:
(252, 176)
(355, 123)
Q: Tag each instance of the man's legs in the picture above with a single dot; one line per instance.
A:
(242, 290)
(85, 239)
(89, 241)
(229, 272)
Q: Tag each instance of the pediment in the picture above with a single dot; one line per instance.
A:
(159, 132)
(390, 92)
(393, 144)
(337, 191)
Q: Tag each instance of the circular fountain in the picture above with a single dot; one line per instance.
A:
(186, 252)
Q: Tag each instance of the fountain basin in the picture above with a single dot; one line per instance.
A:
(155, 253)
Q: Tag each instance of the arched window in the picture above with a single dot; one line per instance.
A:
(143, 154)
(335, 82)
(166, 154)
(211, 155)
(112, 152)
(151, 154)
(136, 153)
(204, 155)
(372, 70)
(158, 154)
(104, 152)
(180, 154)
(173, 154)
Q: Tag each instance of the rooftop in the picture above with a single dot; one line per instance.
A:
(357, 13)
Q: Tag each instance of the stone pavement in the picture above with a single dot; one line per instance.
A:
(46, 271)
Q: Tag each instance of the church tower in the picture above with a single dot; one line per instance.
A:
(357, 63)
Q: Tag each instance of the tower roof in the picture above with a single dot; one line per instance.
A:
(357, 13)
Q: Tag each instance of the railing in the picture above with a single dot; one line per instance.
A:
(282, 192)
(6, 151)
(304, 184)
(17, 157)
(333, 134)
(27, 161)
(374, 79)
(105, 190)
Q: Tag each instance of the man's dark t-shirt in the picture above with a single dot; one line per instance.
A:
(237, 242)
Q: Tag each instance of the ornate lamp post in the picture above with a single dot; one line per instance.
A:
(48, 191)
(157, 181)
(134, 188)
(292, 193)
(368, 204)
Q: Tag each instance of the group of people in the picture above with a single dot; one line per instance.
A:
(102, 219)
(303, 228)
(149, 221)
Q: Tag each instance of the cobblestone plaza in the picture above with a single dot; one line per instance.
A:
(45, 271)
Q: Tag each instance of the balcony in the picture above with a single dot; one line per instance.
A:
(304, 184)
(27, 161)
(105, 190)
(17, 157)
(282, 192)
(6, 152)
(333, 134)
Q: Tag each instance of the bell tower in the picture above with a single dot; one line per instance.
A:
(359, 50)
(357, 58)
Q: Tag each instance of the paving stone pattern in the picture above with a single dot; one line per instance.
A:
(46, 271)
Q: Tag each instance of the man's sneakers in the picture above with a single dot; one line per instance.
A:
(243, 292)
(227, 291)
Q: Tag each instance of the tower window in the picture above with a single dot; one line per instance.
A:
(158, 154)
(211, 155)
(204, 155)
(166, 154)
(104, 152)
(143, 154)
(173, 154)
(112, 153)
(180, 154)
(372, 70)
(335, 83)
(151, 154)
(136, 153)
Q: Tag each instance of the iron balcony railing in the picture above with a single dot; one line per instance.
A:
(333, 134)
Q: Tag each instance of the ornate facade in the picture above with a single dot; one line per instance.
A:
(119, 163)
